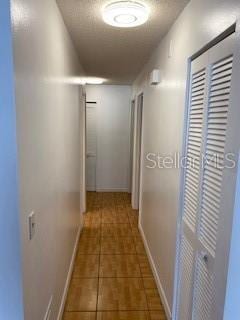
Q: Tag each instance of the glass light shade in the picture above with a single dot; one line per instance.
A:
(125, 14)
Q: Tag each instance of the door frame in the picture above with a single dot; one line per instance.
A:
(131, 144)
(83, 192)
(234, 98)
(137, 151)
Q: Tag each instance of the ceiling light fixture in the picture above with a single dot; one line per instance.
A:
(125, 14)
(81, 80)
(92, 80)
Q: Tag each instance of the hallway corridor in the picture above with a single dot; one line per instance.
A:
(112, 279)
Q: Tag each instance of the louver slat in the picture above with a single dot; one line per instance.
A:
(203, 293)
(194, 145)
(187, 257)
(214, 155)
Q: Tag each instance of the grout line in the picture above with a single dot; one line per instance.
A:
(125, 310)
(112, 310)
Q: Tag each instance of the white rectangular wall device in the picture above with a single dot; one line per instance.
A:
(155, 77)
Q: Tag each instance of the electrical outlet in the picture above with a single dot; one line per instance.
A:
(32, 224)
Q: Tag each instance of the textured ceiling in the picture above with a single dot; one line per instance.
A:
(117, 54)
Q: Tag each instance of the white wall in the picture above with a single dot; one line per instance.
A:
(11, 306)
(199, 23)
(113, 135)
(49, 147)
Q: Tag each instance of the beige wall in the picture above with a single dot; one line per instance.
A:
(48, 148)
(199, 23)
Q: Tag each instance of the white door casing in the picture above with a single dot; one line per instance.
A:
(82, 150)
(137, 152)
(132, 115)
(208, 189)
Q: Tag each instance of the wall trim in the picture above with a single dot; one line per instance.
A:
(113, 190)
(156, 276)
(48, 311)
(83, 191)
(69, 275)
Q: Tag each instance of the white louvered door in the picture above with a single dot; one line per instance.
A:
(203, 195)
(194, 146)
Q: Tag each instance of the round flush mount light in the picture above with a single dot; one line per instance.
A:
(125, 14)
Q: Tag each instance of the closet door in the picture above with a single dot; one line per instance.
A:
(204, 199)
(212, 196)
(194, 149)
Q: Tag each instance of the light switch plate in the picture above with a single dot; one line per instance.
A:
(32, 224)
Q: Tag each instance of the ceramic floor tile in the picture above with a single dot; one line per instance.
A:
(91, 224)
(116, 230)
(123, 315)
(79, 316)
(153, 298)
(157, 315)
(93, 218)
(109, 217)
(122, 210)
(149, 283)
(91, 231)
(133, 220)
(111, 247)
(131, 212)
(137, 236)
(119, 266)
(140, 247)
(89, 246)
(144, 264)
(121, 294)
(122, 218)
(86, 266)
(117, 246)
(89, 219)
(94, 212)
(135, 231)
(86, 238)
(82, 295)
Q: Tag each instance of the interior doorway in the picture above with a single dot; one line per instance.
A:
(137, 152)
(91, 145)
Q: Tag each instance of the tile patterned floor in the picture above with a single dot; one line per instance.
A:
(112, 278)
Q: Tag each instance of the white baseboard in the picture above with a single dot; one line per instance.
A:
(90, 189)
(82, 207)
(157, 279)
(67, 283)
(112, 190)
(49, 309)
